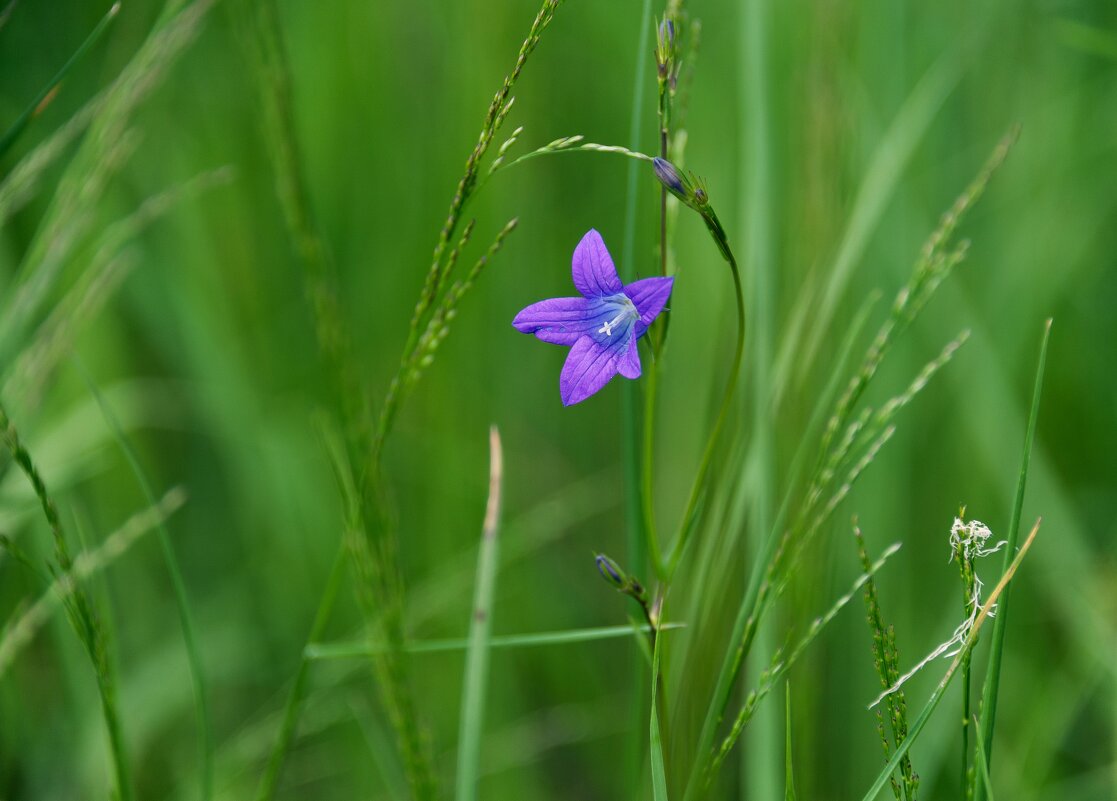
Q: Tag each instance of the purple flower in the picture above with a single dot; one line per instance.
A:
(601, 326)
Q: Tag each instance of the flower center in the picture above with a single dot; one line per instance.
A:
(627, 311)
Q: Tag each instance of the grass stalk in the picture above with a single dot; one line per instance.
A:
(17, 633)
(690, 512)
(761, 776)
(471, 730)
(269, 780)
(788, 766)
(79, 606)
(636, 551)
(47, 92)
(996, 653)
(920, 723)
(659, 774)
(363, 648)
(288, 727)
(178, 586)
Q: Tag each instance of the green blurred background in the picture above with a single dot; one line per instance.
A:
(207, 353)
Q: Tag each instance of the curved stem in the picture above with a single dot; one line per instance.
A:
(656, 337)
(723, 413)
(647, 487)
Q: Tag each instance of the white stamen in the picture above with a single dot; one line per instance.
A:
(628, 310)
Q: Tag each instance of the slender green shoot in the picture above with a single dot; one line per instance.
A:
(877, 187)
(659, 774)
(788, 767)
(363, 649)
(80, 609)
(636, 552)
(47, 92)
(471, 727)
(335, 450)
(937, 696)
(287, 728)
(996, 652)
(986, 783)
(18, 633)
(667, 570)
(178, 586)
(781, 664)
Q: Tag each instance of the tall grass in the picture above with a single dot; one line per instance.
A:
(345, 630)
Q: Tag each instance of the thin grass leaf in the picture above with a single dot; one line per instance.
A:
(996, 652)
(476, 677)
(106, 270)
(788, 767)
(881, 178)
(264, 35)
(80, 609)
(937, 696)
(20, 184)
(109, 143)
(659, 775)
(178, 586)
(636, 556)
(986, 782)
(362, 649)
(269, 780)
(758, 183)
(781, 665)
(47, 92)
(20, 631)
(930, 270)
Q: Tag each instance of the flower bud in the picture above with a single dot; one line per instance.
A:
(674, 180)
(611, 572)
(666, 56)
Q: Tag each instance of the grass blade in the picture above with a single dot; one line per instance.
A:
(635, 550)
(19, 633)
(877, 188)
(659, 774)
(982, 766)
(81, 610)
(335, 450)
(993, 672)
(12, 134)
(756, 34)
(363, 649)
(789, 772)
(178, 585)
(937, 696)
(477, 655)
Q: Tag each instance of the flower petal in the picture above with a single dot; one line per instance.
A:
(650, 296)
(628, 364)
(589, 367)
(594, 273)
(561, 321)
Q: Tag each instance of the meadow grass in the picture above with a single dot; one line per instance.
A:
(342, 534)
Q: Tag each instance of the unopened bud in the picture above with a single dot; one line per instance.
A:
(674, 180)
(611, 572)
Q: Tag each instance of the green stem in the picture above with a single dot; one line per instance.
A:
(12, 134)
(656, 337)
(723, 413)
(636, 551)
(967, 599)
(178, 585)
(993, 672)
(648, 490)
(270, 778)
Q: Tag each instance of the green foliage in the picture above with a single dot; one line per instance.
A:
(257, 332)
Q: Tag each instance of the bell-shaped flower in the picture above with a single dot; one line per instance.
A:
(602, 326)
